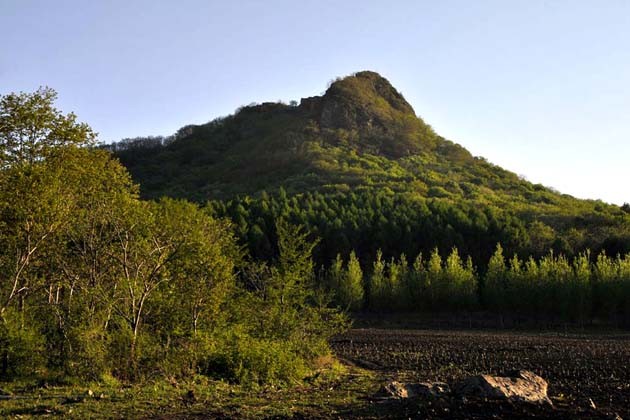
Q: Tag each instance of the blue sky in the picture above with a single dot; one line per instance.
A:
(541, 88)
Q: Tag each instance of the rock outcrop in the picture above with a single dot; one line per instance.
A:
(515, 386)
(364, 111)
(519, 386)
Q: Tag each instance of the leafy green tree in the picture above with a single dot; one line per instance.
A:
(541, 236)
(36, 199)
(351, 287)
(436, 284)
(376, 283)
(402, 292)
(82, 268)
(495, 288)
(393, 284)
(335, 277)
(52, 187)
(202, 269)
(95, 281)
(520, 298)
(581, 288)
(460, 282)
(606, 286)
(418, 285)
(32, 129)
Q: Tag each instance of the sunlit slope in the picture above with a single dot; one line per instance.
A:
(363, 137)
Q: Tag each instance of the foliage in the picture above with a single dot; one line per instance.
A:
(361, 171)
(346, 283)
(31, 129)
(97, 283)
(551, 288)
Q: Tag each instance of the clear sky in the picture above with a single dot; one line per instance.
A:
(541, 88)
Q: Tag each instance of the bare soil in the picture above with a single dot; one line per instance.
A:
(588, 374)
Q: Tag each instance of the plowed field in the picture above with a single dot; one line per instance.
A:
(588, 375)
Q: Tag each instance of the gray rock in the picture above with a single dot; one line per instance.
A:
(402, 390)
(516, 386)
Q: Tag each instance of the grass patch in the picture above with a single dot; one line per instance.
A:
(332, 389)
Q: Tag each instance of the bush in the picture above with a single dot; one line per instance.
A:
(22, 348)
(255, 361)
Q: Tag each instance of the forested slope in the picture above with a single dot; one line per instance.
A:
(363, 172)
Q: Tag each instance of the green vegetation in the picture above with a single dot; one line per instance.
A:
(297, 214)
(405, 223)
(361, 171)
(99, 285)
(553, 288)
(357, 169)
(332, 389)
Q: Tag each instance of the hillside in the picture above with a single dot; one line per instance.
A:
(362, 163)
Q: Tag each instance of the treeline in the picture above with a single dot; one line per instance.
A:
(551, 288)
(98, 284)
(366, 220)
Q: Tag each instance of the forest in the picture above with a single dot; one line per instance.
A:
(97, 284)
(362, 172)
(101, 284)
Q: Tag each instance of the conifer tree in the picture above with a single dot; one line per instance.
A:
(437, 292)
(351, 287)
(495, 290)
(377, 283)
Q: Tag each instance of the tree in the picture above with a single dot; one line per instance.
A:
(37, 143)
(495, 286)
(435, 283)
(52, 191)
(460, 281)
(581, 287)
(541, 237)
(335, 277)
(95, 281)
(351, 286)
(201, 271)
(80, 265)
(376, 289)
(32, 129)
(417, 284)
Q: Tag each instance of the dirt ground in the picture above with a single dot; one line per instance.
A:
(588, 374)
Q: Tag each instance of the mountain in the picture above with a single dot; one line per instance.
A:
(361, 122)
(357, 161)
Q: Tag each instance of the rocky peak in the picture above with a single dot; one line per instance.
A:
(375, 116)
(364, 100)
(369, 89)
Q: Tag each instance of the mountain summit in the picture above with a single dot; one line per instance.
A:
(361, 133)
(360, 120)
(366, 111)
(363, 99)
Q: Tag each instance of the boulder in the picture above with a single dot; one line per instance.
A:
(515, 386)
(402, 390)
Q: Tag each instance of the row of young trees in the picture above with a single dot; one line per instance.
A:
(95, 282)
(552, 287)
